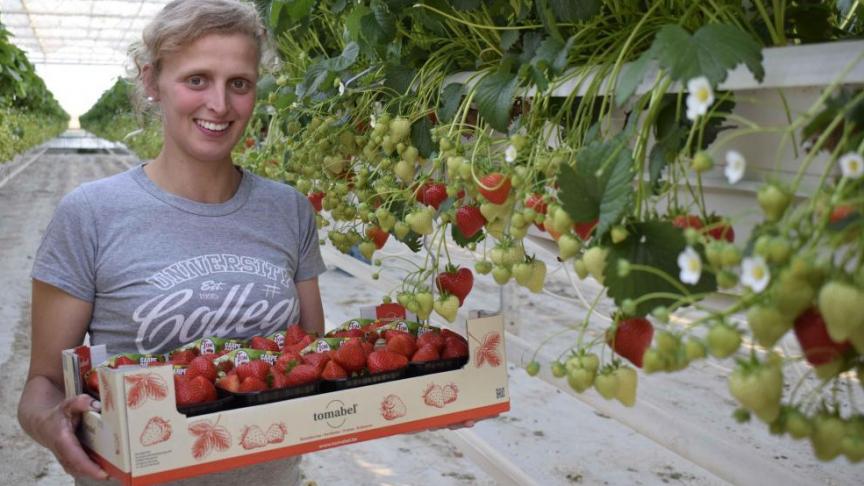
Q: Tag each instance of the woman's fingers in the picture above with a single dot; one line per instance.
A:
(67, 448)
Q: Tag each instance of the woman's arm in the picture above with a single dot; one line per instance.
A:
(59, 321)
(311, 310)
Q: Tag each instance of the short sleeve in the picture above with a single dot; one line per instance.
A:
(66, 258)
(309, 264)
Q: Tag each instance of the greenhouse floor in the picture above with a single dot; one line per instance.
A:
(549, 436)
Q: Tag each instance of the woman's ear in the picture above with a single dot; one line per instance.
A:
(148, 76)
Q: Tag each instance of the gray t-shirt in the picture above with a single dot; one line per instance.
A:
(162, 270)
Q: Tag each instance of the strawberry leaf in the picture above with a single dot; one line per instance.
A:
(450, 98)
(656, 244)
(495, 98)
(599, 187)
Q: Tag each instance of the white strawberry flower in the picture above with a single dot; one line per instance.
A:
(510, 153)
(852, 165)
(736, 164)
(341, 88)
(755, 273)
(690, 265)
(373, 121)
(700, 97)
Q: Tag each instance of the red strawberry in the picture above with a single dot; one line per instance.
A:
(377, 235)
(288, 359)
(841, 212)
(318, 360)
(382, 361)
(535, 202)
(302, 374)
(402, 344)
(495, 187)
(447, 334)
(685, 221)
(92, 380)
(123, 360)
(299, 345)
(315, 198)
(631, 338)
(431, 338)
(349, 333)
(229, 382)
(201, 366)
(252, 384)
(469, 220)
(294, 334)
(367, 347)
(454, 348)
(432, 194)
(391, 333)
(225, 366)
(721, 230)
(259, 342)
(426, 353)
(183, 357)
(583, 230)
(255, 368)
(813, 337)
(456, 282)
(351, 356)
(332, 371)
(193, 391)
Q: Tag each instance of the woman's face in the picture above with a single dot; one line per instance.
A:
(207, 93)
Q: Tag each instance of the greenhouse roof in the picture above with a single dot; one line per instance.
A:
(79, 32)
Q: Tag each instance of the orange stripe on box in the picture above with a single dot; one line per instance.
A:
(112, 470)
(254, 458)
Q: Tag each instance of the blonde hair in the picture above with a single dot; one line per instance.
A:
(182, 22)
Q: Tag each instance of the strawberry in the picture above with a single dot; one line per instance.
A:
(817, 345)
(332, 371)
(183, 357)
(469, 220)
(685, 221)
(402, 344)
(121, 360)
(259, 342)
(455, 282)
(252, 384)
(454, 348)
(350, 356)
(256, 368)
(495, 187)
(249, 142)
(841, 212)
(432, 194)
(630, 338)
(721, 230)
(229, 382)
(302, 374)
(294, 334)
(92, 380)
(377, 235)
(287, 359)
(391, 333)
(193, 391)
(300, 345)
(428, 352)
(225, 366)
(583, 229)
(434, 339)
(315, 198)
(383, 360)
(201, 366)
(318, 360)
(367, 347)
(448, 335)
(349, 333)
(535, 201)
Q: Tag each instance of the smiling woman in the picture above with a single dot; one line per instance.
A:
(97, 270)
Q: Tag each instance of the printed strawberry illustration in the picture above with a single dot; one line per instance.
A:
(487, 352)
(392, 407)
(105, 395)
(434, 396)
(449, 393)
(156, 430)
(209, 436)
(276, 433)
(253, 437)
(145, 386)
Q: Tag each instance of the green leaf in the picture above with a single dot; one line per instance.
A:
(711, 52)
(421, 136)
(508, 38)
(571, 11)
(547, 16)
(600, 186)
(664, 152)
(346, 59)
(631, 77)
(265, 86)
(495, 98)
(465, 4)
(413, 241)
(463, 240)
(353, 22)
(451, 98)
(385, 20)
(656, 244)
(398, 77)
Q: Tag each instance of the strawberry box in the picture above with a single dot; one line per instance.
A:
(140, 438)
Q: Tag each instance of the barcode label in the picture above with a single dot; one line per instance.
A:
(499, 392)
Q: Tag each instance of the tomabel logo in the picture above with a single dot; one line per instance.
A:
(336, 414)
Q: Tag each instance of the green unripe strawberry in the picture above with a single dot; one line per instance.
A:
(627, 384)
(726, 279)
(447, 307)
(538, 277)
(453, 165)
(589, 361)
(367, 249)
(420, 221)
(568, 246)
(723, 340)
(661, 313)
(694, 350)
(667, 343)
(404, 171)
(561, 221)
(762, 245)
(628, 307)
(513, 254)
(767, 324)
(619, 234)
(400, 128)
(797, 424)
(842, 307)
(483, 267)
(533, 368)
(792, 295)
(410, 154)
(386, 219)
(400, 229)
(773, 201)
(758, 388)
(558, 369)
(779, 250)
(522, 273)
(606, 384)
(852, 446)
(595, 262)
(623, 268)
(580, 268)
(518, 220)
(580, 379)
(501, 274)
(827, 437)
(731, 255)
(518, 141)
(653, 361)
(702, 162)
(465, 171)
(425, 302)
(714, 253)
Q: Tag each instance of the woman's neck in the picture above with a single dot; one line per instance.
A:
(205, 182)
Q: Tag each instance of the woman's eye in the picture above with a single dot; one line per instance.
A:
(240, 84)
(195, 81)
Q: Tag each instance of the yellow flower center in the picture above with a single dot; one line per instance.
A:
(854, 166)
(693, 265)
(758, 272)
(702, 94)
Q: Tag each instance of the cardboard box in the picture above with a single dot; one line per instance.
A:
(140, 437)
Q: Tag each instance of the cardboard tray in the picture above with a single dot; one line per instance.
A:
(140, 437)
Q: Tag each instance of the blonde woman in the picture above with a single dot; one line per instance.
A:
(182, 246)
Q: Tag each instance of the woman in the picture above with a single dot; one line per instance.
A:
(181, 247)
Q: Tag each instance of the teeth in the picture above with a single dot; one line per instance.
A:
(216, 127)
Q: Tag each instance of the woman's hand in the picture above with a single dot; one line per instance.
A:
(57, 429)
